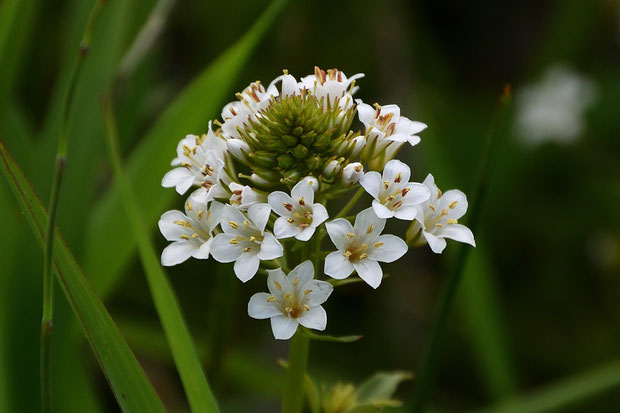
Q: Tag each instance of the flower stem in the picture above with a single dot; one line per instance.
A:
(345, 210)
(61, 159)
(428, 364)
(293, 397)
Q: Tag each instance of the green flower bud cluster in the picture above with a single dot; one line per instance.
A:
(296, 136)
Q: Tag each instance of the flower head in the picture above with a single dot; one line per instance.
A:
(299, 215)
(245, 241)
(293, 299)
(191, 233)
(333, 86)
(361, 248)
(394, 195)
(244, 197)
(438, 218)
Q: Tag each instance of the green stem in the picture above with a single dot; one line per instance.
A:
(293, 397)
(345, 210)
(428, 365)
(59, 168)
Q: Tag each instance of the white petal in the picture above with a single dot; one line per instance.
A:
(231, 214)
(277, 200)
(304, 273)
(270, 248)
(180, 178)
(393, 169)
(259, 215)
(417, 194)
(303, 190)
(283, 327)
(365, 113)
(414, 140)
(204, 250)
(457, 199)
(246, 266)
(278, 283)
(319, 214)
(406, 212)
(368, 219)
(458, 233)
(429, 182)
(284, 229)
(387, 248)
(312, 181)
(305, 234)
(338, 230)
(260, 308)
(381, 210)
(371, 181)
(222, 250)
(321, 290)
(170, 230)
(315, 318)
(337, 265)
(176, 253)
(437, 244)
(369, 271)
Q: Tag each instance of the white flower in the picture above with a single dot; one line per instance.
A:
(334, 86)
(312, 181)
(394, 195)
(352, 173)
(289, 85)
(200, 162)
(299, 215)
(294, 299)
(553, 109)
(252, 100)
(438, 218)
(244, 197)
(386, 128)
(245, 241)
(191, 233)
(360, 247)
(332, 168)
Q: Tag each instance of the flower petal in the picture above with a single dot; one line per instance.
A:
(455, 202)
(370, 271)
(368, 220)
(283, 327)
(246, 266)
(437, 244)
(387, 248)
(302, 190)
(277, 200)
(406, 212)
(284, 229)
(371, 182)
(278, 283)
(321, 290)
(204, 250)
(381, 210)
(170, 230)
(180, 178)
(337, 265)
(222, 250)
(458, 233)
(319, 215)
(315, 318)
(304, 273)
(305, 234)
(338, 230)
(231, 219)
(270, 248)
(260, 308)
(176, 253)
(259, 215)
(396, 170)
(417, 193)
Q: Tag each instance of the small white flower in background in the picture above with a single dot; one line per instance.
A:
(333, 86)
(312, 181)
(191, 233)
(553, 108)
(251, 101)
(361, 248)
(245, 241)
(299, 215)
(293, 299)
(394, 195)
(244, 197)
(352, 173)
(438, 218)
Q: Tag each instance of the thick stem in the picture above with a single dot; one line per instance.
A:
(345, 210)
(293, 397)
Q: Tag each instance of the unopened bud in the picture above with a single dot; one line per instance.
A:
(352, 173)
(237, 148)
(312, 181)
(331, 169)
(300, 152)
(286, 161)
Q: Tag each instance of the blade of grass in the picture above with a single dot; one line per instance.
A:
(428, 364)
(564, 393)
(150, 160)
(182, 346)
(129, 384)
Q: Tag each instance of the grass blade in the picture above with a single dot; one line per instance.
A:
(129, 384)
(181, 344)
(150, 161)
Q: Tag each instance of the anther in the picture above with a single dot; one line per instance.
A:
(398, 178)
(183, 223)
(247, 249)
(453, 204)
(277, 284)
(387, 184)
(271, 299)
(290, 221)
(246, 224)
(252, 238)
(201, 213)
(347, 254)
(404, 192)
(184, 236)
(306, 308)
(233, 224)
(350, 235)
(288, 296)
(295, 281)
(439, 225)
(363, 256)
(432, 207)
(452, 221)
(307, 292)
(233, 241)
(195, 235)
(370, 228)
(398, 204)
(189, 206)
(378, 244)
(301, 201)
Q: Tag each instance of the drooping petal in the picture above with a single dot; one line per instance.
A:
(270, 248)
(284, 229)
(277, 200)
(338, 230)
(371, 182)
(176, 253)
(283, 327)
(381, 210)
(370, 271)
(458, 233)
(368, 225)
(437, 244)
(304, 272)
(315, 318)
(260, 307)
(365, 112)
(319, 215)
(387, 248)
(429, 182)
(246, 266)
(455, 202)
(396, 171)
(337, 265)
(222, 250)
(259, 215)
(321, 290)
(303, 191)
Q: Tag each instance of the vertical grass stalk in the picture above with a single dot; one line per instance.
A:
(59, 168)
(428, 364)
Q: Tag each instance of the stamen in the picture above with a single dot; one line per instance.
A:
(186, 165)
(233, 241)
(295, 281)
(201, 213)
(398, 178)
(306, 308)
(277, 284)
(370, 228)
(350, 235)
(189, 206)
(183, 223)
(195, 235)
(246, 224)
(378, 244)
(290, 221)
(233, 224)
(347, 254)
(363, 256)
(252, 238)
(453, 204)
(288, 206)
(364, 247)
(432, 207)
(439, 193)
(288, 296)
(387, 184)
(439, 225)
(271, 299)
(452, 221)
(404, 192)
(307, 292)
(184, 236)
(247, 249)
(398, 204)
(301, 201)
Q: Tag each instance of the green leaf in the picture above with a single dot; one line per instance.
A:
(197, 389)
(129, 384)
(380, 386)
(324, 337)
(188, 113)
(310, 390)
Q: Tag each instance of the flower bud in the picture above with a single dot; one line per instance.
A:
(352, 173)
(312, 181)
(238, 148)
(263, 158)
(286, 161)
(290, 140)
(300, 152)
(331, 169)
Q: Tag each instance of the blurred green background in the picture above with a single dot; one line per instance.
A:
(537, 315)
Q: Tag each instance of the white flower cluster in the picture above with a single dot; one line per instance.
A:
(263, 179)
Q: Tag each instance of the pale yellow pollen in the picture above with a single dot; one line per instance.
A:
(350, 235)
(452, 221)
(288, 309)
(189, 206)
(288, 296)
(307, 292)
(439, 193)
(453, 204)
(186, 165)
(252, 238)
(278, 285)
(295, 281)
(201, 213)
(386, 183)
(378, 244)
(183, 223)
(195, 235)
(364, 247)
(290, 220)
(432, 207)
(306, 308)
(348, 253)
(439, 225)
(247, 249)
(246, 224)
(233, 224)
(443, 212)
(233, 241)
(184, 236)
(363, 256)
(271, 299)
(370, 228)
